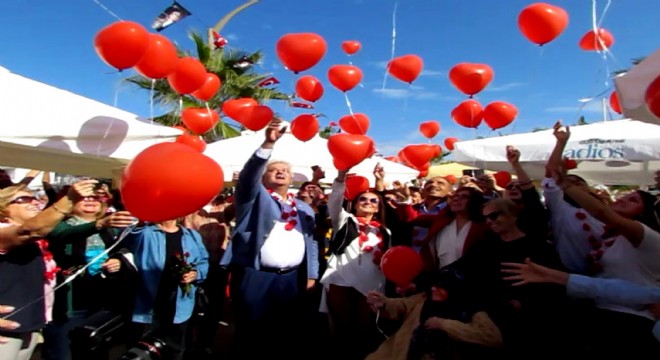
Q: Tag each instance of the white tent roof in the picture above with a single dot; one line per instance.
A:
(232, 154)
(621, 152)
(632, 85)
(47, 128)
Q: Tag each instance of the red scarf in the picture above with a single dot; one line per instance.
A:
(363, 228)
(288, 208)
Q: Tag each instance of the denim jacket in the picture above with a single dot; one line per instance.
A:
(148, 247)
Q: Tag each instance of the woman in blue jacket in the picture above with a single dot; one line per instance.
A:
(170, 260)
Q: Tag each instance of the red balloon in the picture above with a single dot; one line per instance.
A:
(350, 47)
(188, 76)
(469, 113)
(349, 150)
(193, 141)
(570, 164)
(122, 44)
(614, 102)
(542, 23)
(471, 78)
(652, 97)
(392, 158)
(419, 154)
(309, 88)
(502, 178)
(401, 264)
(406, 68)
(209, 89)
(451, 178)
(499, 114)
(182, 128)
(304, 127)
(199, 120)
(232, 107)
(429, 128)
(355, 185)
(449, 143)
(344, 77)
(167, 181)
(423, 173)
(255, 117)
(357, 123)
(592, 42)
(299, 52)
(160, 58)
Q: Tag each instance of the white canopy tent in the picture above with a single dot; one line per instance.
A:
(621, 152)
(632, 85)
(232, 154)
(47, 128)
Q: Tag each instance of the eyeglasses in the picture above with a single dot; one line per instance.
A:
(493, 216)
(366, 199)
(27, 199)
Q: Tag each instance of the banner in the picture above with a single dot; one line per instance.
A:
(169, 16)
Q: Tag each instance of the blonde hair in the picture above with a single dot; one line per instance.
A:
(7, 195)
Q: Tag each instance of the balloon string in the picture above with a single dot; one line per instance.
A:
(533, 79)
(151, 101)
(180, 108)
(107, 10)
(75, 275)
(396, 5)
(348, 103)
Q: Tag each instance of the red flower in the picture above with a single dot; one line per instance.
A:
(186, 254)
(580, 215)
(368, 248)
(586, 227)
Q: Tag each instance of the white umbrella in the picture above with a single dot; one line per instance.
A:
(621, 152)
(232, 154)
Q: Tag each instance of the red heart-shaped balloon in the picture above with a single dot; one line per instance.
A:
(300, 51)
(189, 75)
(592, 42)
(193, 141)
(344, 77)
(122, 44)
(160, 58)
(355, 124)
(449, 143)
(502, 178)
(199, 120)
(309, 88)
(429, 128)
(499, 114)
(304, 127)
(349, 149)
(541, 23)
(210, 87)
(255, 117)
(406, 68)
(167, 181)
(350, 47)
(418, 155)
(614, 102)
(355, 185)
(232, 107)
(469, 113)
(470, 78)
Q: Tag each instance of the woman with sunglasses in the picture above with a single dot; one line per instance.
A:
(359, 239)
(529, 318)
(630, 250)
(27, 270)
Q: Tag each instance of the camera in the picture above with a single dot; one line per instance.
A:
(149, 347)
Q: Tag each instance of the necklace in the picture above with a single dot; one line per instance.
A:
(288, 209)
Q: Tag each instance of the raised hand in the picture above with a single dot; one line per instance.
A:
(560, 135)
(274, 131)
(379, 172)
(82, 189)
(512, 155)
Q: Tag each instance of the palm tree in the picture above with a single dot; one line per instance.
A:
(237, 79)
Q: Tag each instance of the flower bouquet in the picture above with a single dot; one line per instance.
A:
(182, 267)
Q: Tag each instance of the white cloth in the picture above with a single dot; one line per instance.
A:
(284, 248)
(449, 243)
(569, 237)
(354, 267)
(639, 265)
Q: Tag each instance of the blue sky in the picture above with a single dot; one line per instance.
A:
(52, 41)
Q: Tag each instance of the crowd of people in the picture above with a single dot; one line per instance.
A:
(541, 268)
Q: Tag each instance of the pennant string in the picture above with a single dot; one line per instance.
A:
(69, 279)
(97, 2)
(396, 5)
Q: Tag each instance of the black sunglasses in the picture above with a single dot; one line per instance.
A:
(27, 199)
(493, 216)
(365, 199)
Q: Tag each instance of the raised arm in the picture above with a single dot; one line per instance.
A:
(513, 156)
(335, 199)
(379, 176)
(557, 155)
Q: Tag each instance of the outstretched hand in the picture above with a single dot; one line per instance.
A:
(530, 272)
(559, 134)
(274, 131)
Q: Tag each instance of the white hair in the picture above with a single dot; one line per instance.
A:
(274, 162)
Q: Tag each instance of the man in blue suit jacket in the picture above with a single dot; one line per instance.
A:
(273, 256)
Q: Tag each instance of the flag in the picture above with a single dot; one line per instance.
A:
(268, 82)
(169, 16)
(300, 104)
(219, 41)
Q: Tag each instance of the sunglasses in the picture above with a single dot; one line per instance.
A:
(493, 216)
(27, 199)
(366, 199)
